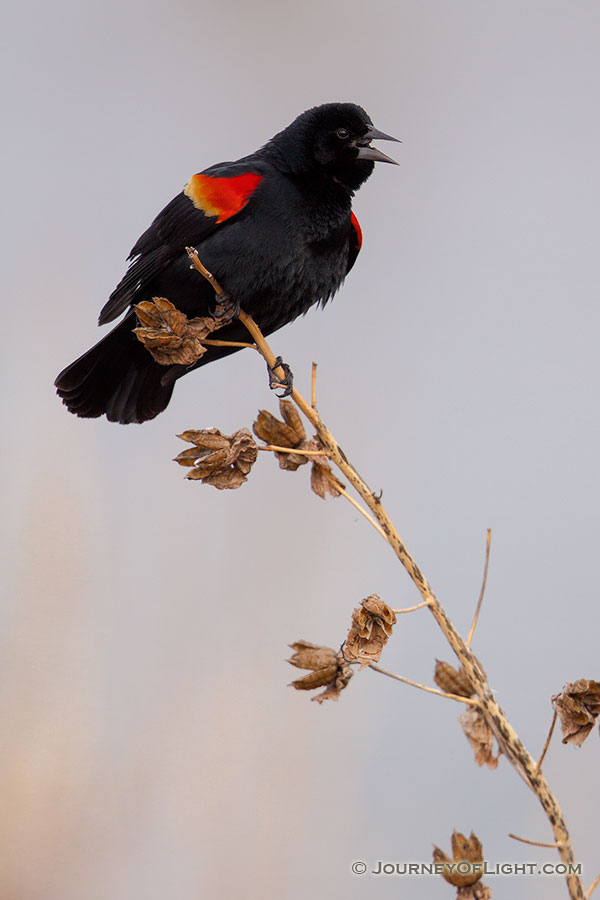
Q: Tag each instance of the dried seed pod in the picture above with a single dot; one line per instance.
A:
(578, 707)
(465, 868)
(169, 335)
(480, 736)
(372, 624)
(451, 680)
(312, 656)
(287, 432)
(218, 459)
(328, 669)
(323, 481)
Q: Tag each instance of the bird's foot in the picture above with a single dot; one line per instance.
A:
(287, 382)
(225, 309)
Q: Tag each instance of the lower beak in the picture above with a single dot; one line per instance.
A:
(372, 153)
(376, 155)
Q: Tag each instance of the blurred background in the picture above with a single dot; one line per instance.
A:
(150, 745)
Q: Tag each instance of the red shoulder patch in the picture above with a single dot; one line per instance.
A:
(221, 197)
(357, 230)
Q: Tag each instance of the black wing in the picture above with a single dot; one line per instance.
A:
(209, 199)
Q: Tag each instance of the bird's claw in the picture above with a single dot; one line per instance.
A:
(226, 308)
(287, 382)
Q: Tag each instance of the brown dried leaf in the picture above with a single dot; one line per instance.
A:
(578, 707)
(218, 459)
(467, 855)
(169, 335)
(480, 736)
(323, 481)
(328, 669)
(451, 680)
(372, 624)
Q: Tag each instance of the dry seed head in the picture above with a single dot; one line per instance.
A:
(218, 459)
(578, 707)
(467, 854)
(451, 680)
(328, 669)
(169, 335)
(372, 624)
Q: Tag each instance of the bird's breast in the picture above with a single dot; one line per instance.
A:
(280, 255)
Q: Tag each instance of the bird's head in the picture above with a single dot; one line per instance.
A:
(334, 138)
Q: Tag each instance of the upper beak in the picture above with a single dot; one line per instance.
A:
(367, 152)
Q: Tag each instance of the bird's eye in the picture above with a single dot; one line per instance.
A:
(343, 134)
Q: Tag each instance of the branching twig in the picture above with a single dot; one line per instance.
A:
(547, 744)
(408, 609)
(523, 840)
(351, 500)
(468, 700)
(483, 584)
(592, 887)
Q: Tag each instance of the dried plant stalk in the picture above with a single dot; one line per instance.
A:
(508, 740)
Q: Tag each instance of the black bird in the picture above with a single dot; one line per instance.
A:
(275, 228)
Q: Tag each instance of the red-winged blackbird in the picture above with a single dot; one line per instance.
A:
(275, 228)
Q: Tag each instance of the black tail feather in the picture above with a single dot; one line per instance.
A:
(117, 377)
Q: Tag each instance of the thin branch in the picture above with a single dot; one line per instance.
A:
(523, 840)
(411, 608)
(313, 392)
(547, 744)
(276, 449)
(351, 500)
(362, 511)
(507, 738)
(207, 342)
(424, 687)
(488, 540)
(592, 887)
(193, 255)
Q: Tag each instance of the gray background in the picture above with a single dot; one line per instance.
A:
(149, 744)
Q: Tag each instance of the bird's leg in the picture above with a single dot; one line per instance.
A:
(287, 382)
(226, 308)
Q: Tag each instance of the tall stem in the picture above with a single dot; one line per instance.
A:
(507, 738)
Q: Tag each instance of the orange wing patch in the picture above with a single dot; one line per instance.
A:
(221, 197)
(358, 231)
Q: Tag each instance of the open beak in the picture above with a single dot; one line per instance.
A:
(367, 152)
